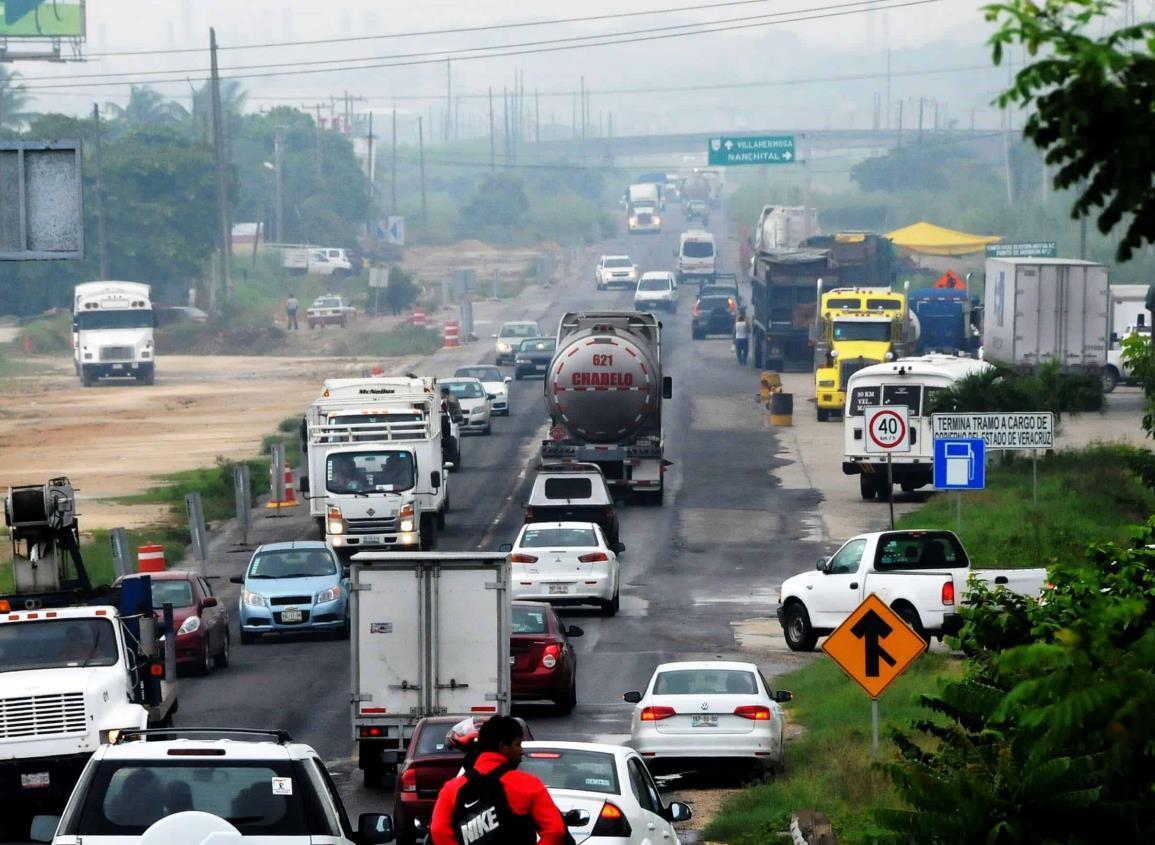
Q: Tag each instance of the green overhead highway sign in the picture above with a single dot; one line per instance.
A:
(751, 149)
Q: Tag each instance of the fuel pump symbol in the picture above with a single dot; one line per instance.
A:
(960, 464)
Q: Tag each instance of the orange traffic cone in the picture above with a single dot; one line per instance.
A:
(290, 499)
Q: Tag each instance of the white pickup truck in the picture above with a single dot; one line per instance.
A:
(922, 575)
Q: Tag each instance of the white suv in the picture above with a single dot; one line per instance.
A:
(615, 270)
(656, 290)
(260, 786)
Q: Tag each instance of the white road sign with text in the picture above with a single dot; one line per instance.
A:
(887, 429)
(1027, 430)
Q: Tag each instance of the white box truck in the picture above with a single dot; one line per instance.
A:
(112, 325)
(1049, 309)
(643, 211)
(430, 638)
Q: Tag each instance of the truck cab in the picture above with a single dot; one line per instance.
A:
(856, 328)
(697, 256)
(644, 213)
(112, 332)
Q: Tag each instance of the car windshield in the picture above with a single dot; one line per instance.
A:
(705, 682)
(697, 249)
(520, 330)
(537, 345)
(714, 303)
(855, 330)
(259, 798)
(465, 389)
(385, 471)
(114, 319)
(327, 302)
(57, 644)
(567, 768)
(540, 538)
(480, 373)
(653, 284)
(618, 262)
(529, 620)
(293, 563)
(176, 593)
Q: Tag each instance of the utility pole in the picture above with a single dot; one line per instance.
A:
(421, 159)
(220, 154)
(505, 104)
(449, 127)
(100, 245)
(583, 102)
(900, 123)
(278, 148)
(806, 187)
(888, 88)
(317, 146)
(536, 117)
(920, 101)
(492, 138)
(393, 180)
(573, 117)
(371, 172)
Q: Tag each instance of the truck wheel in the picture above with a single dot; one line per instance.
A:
(823, 414)
(1110, 379)
(428, 533)
(800, 635)
(910, 616)
(87, 377)
(697, 335)
(369, 761)
(866, 487)
(147, 375)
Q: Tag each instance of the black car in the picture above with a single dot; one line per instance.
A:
(721, 284)
(533, 357)
(713, 314)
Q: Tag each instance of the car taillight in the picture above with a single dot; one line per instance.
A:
(731, 306)
(656, 714)
(754, 712)
(697, 310)
(593, 557)
(948, 592)
(523, 559)
(552, 653)
(611, 822)
(409, 781)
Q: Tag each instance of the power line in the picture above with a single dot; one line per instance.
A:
(610, 40)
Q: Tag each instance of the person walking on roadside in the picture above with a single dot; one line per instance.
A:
(493, 803)
(291, 311)
(742, 337)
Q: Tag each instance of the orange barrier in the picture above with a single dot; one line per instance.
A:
(290, 499)
(150, 558)
(420, 318)
(452, 334)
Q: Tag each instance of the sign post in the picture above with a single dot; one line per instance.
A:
(729, 151)
(888, 431)
(960, 464)
(874, 646)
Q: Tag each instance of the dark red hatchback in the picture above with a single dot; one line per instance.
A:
(544, 663)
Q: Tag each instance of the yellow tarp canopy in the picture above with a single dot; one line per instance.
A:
(928, 239)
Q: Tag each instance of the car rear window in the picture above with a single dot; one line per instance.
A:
(919, 550)
(565, 768)
(705, 682)
(529, 620)
(536, 346)
(432, 741)
(714, 303)
(540, 538)
(568, 488)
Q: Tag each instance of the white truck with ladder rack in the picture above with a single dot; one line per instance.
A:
(77, 663)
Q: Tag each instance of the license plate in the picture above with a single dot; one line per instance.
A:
(539, 367)
(372, 540)
(34, 780)
(118, 366)
(558, 589)
(704, 721)
(291, 615)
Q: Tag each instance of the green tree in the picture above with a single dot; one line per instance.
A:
(1091, 96)
(1048, 737)
(14, 99)
(499, 200)
(147, 107)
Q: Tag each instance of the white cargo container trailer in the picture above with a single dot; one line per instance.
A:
(430, 638)
(1040, 310)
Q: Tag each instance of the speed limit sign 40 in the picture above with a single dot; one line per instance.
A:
(887, 429)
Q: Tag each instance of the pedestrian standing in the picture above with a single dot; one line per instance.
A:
(742, 337)
(291, 311)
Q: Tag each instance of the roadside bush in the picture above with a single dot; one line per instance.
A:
(1004, 389)
(49, 335)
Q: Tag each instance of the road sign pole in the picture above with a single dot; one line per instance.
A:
(1035, 477)
(873, 728)
(890, 488)
(958, 511)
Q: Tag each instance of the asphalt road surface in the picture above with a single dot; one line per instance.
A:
(712, 555)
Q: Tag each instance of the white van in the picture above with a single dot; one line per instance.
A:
(911, 382)
(697, 255)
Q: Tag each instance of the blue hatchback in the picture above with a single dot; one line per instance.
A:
(296, 586)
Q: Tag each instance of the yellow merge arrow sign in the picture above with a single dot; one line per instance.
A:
(874, 646)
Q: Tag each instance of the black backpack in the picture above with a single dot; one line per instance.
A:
(482, 815)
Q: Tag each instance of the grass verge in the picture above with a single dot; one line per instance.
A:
(403, 340)
(829, 766)
(1084, 496)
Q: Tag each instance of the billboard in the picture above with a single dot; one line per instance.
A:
(42, 19)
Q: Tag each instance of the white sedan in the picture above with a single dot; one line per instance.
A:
(696, 713)
(605, 792)
(476, 409)
(565, 563)
(495, 384)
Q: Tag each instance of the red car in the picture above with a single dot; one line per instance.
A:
(201, 621)
(544, 662)
(428, 765)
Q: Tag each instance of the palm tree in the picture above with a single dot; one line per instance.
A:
(14, 99)
(146, 107)
(232, 104)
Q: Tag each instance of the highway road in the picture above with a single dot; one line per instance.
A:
(713, 555)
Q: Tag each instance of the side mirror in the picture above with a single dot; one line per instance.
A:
(782, 696)
(667, 387)
(679, 812)
(209, 601)
(821, 565)
(576, 818)
(375, 829)
(507, 379)
(44, 828)
(237, 579)
(505, 547)
(435, 480)
(574, 631)
(303, 484)
(633, 697)
(619, 548)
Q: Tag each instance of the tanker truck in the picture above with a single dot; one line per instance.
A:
(604, 392)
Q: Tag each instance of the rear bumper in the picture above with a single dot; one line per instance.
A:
(654, 746)
(908, 473)
(474, 424)
(579, 592)
(951, 624)
(62, 773)
(540, 684)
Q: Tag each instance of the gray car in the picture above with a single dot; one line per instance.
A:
(533, 357)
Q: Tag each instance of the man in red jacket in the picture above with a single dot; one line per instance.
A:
(522, 810)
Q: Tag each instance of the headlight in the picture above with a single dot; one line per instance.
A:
(331, 594)
(193, 623)
(889, 356)
(826, 382)
(833, 353)
(657, 221)
(408, 522)
(254, 599)
(335, 522)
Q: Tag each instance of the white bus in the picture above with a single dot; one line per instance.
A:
(112, 337)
